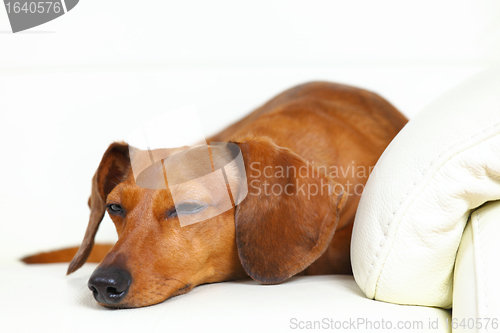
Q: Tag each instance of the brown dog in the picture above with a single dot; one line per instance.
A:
(335, 133)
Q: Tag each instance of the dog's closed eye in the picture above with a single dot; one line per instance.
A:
(115, 209)
(187, 208)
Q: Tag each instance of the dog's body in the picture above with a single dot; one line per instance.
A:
(339, 130)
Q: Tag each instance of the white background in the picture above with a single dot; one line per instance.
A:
(70, 87)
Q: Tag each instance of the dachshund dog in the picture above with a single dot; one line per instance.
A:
(334, 133)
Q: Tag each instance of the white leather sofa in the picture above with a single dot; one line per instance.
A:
(415, 267)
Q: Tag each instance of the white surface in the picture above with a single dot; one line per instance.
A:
(476, 289)
(43, 299)
(275, 32)
(410, 220)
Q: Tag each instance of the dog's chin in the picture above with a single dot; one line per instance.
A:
(134, 304)
(147, 299)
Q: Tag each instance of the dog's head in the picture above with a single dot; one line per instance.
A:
(279, 229)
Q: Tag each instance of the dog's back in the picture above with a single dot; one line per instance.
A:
(338, 128)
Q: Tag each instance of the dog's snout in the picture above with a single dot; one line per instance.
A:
(109, 286)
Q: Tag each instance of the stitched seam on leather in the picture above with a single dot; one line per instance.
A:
(422, 175)
(480, 256)
(477, 264)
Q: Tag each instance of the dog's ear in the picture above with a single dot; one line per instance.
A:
(112, 170)
(290, 213)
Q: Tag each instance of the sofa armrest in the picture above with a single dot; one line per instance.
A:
(442, 166)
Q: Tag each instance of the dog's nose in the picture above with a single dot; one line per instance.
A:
(109, 285)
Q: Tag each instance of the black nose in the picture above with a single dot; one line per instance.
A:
(109, 285)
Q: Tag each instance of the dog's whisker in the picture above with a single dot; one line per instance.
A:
(171, 278)
(117, 177)
(113, 182)
(165, 284)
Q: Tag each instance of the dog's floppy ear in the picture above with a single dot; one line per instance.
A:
(112, 170)
(290, 213)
